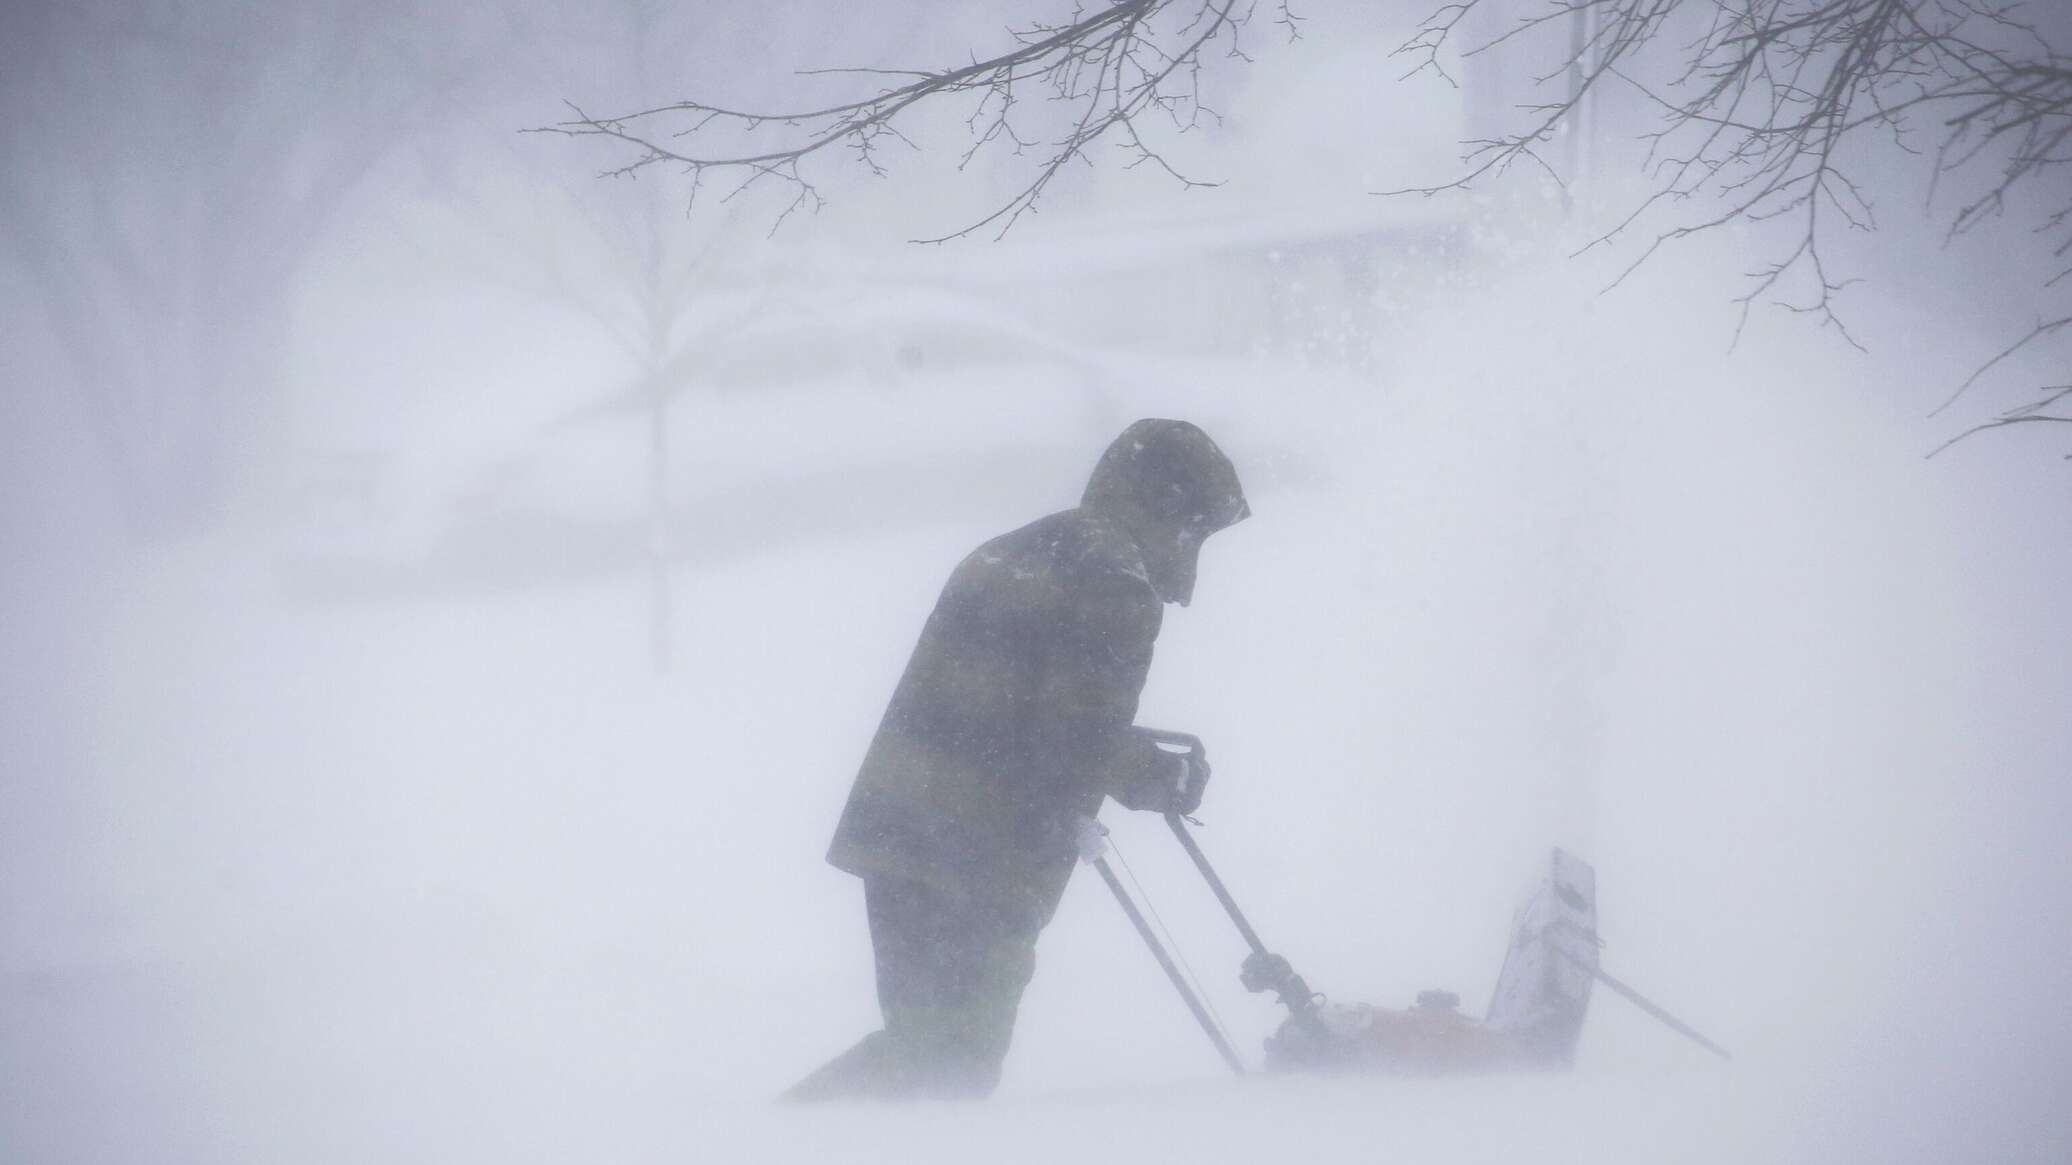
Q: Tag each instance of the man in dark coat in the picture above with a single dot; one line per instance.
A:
(1011, 723)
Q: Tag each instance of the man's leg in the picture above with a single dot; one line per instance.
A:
(876, 1068)
(950, 979)
(949, 983)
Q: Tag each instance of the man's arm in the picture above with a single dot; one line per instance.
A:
(1095, 663)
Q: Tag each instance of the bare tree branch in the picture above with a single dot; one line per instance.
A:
(2032, 413)
(2043, 328)
(1766, 108)
(1090, 79)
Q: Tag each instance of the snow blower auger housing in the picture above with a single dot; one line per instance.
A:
(1535, 1016)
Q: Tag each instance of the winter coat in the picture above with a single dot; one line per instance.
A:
(1012, 720)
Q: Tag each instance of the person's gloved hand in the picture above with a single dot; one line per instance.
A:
(1166, 781)
(1264, 972)
(1193, 782)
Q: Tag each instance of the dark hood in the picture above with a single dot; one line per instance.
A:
(1169, 485)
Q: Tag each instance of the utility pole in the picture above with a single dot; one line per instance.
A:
(662, 307)
(661, 318)
(1582, 30)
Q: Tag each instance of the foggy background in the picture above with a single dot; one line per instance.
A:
(421, 731)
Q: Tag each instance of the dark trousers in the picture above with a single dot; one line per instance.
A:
(950, 978)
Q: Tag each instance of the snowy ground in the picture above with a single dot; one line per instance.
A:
(460, 881)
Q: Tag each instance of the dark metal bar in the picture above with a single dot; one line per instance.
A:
(1165, 962)
(1201, 862)
(1645, 1004)
(1265, 970)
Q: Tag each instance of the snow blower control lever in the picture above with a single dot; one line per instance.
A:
(1262, 970)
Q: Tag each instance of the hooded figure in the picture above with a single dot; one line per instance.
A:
(1010, 725)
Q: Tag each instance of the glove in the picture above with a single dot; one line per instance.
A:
(1193, 782)
(1264, 972)
(1165, 782)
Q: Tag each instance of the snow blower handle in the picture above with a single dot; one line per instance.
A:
(1193, 778)
(1263, 970)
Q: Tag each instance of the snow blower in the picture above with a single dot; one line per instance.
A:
(1535, 1015)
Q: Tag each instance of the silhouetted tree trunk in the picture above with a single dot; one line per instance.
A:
(164, 173)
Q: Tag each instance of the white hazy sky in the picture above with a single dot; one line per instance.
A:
(441, 869)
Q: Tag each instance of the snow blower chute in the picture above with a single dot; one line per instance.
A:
(1535, 1015)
